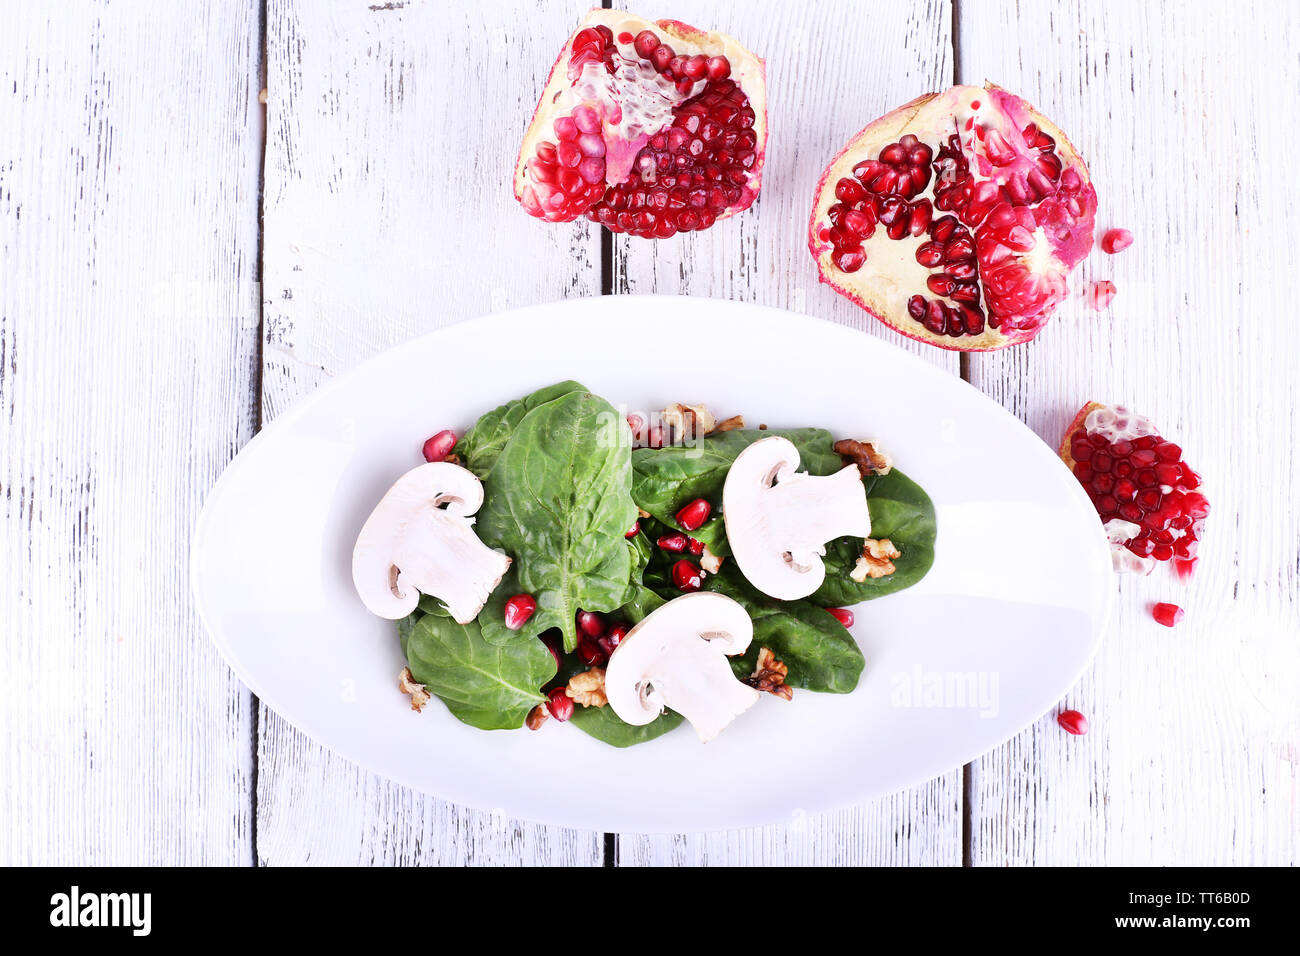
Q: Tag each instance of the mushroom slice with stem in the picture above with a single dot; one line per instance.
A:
(778, 520)
(677, 658)
(420, 539)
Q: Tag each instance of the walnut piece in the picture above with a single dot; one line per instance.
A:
(876, 561)
(711, 562)
(407, 685)
(866, 454)
(536, 717)
(769, 675)
(729, 424)
(588, 688)
(688, 421)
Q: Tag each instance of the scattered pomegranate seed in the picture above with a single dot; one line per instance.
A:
(633, 531)
(591, 624)
(1167, 614)
(518, 610)
(841, 614)
(1184, 568)
(440, 445)
(1116, 240)
(559, 704)
(695, 546)
(694, 514)
(674, 542)
(1072, 722)
(1099, 295)
(686, 576)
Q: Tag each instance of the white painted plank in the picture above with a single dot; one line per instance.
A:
(128, 336)
(392, 136)
(831, 69)
(1193, 755)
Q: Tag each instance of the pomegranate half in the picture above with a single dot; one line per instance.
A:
(1150, 501)
(955, 219)
(647, 128)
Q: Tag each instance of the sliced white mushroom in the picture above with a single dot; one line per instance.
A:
(779, 520)
(420, 540)
(677, 658)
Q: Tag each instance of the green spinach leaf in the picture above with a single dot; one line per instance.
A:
(666, 479)
(558, 501)
(489, 687)
(480, 447)
(820, 653)
(603, 724)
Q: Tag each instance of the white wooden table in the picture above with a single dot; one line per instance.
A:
(181, 263)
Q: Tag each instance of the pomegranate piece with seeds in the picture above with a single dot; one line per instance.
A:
(955, 219)
(647, 128)
(1151, 503)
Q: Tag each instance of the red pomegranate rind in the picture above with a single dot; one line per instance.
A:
(646, 128)
(1149, 500)
(955, 219)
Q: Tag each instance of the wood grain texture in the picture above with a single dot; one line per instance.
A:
(392, 137)
(128, 331)
(831, 69)
(1194, 751)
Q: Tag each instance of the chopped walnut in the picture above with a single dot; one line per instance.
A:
(407, 685)
(688, 421)
(711, 562)
(769, 675)
(536, 717)
(729, 424)
(865, 454)
(588, 688)
(642, 513)
(876, 561)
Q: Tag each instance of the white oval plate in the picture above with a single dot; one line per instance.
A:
(985, 644)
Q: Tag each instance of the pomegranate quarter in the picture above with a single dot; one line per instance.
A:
(955, 219)
(1151, 503)
(647, 128)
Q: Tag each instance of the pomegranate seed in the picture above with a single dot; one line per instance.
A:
(591, 624)
(1167, 614)
(686, 576)
(841, 614)
(1100, 294)
(719, 68)
(1072, 722)
(674, 542)
(694, 514)
(633, 531)
(1116, 240)
(661, 56)
(559, 704)
(615, 636)
(518, 610)
(439, 446)
(695, 546)
(647, 41)
(592, 654)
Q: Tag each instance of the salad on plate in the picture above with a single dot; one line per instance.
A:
(563, 560)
